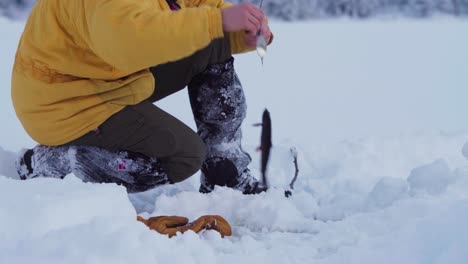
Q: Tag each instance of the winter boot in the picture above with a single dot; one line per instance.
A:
(219, 107)
(223, 172)
(43, 161)
(135, 171)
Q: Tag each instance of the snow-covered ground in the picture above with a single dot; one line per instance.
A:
(378, 113)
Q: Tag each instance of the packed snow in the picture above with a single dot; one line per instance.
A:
(376, 111)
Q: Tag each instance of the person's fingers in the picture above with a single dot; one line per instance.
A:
(254, 22)
(251, 29)
(258, 22)
(253, 11)
(257, 12)
(250, 42)
(265, 29)
(250, 38)
(266, 32)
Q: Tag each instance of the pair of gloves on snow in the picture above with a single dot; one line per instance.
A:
(170, 225)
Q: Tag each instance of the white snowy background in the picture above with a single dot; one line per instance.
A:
(378, 112)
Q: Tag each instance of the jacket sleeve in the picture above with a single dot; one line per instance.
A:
(132, 36)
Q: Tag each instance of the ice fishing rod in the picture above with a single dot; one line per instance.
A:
(265, 148)
(261, 42)
(288, 193)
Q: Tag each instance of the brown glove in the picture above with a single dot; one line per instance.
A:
(170, 225)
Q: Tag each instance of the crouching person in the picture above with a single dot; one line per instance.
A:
(86, 76)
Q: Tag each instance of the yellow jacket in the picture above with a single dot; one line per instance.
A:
(79, 62)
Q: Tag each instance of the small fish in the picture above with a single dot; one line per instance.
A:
(265, 144)
(261, 47)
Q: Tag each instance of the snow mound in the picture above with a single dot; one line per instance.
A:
(386, 191)
(266, 212)
(430, 179)
(55, 221)
(7, 163)
(41, 206)
(465, 150)
(438, 237)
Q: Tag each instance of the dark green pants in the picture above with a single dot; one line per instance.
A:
(147, 129)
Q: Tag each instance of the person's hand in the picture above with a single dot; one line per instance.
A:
(251, 39)
(170, 225)
(243, 17)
